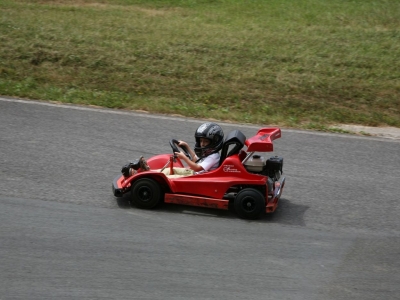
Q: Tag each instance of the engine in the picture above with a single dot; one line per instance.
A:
(271, 167)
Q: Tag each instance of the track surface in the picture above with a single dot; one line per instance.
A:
(336, 234)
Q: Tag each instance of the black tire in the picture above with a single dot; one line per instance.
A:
(146, 193)
(249, 204)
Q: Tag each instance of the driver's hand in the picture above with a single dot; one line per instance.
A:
(183, 143)
(180, 155)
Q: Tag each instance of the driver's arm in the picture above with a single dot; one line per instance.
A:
(191, 152)
(192, 165)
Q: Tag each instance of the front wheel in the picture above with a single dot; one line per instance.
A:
(146, 193)
(249, 204)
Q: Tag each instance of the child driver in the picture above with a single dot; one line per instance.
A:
(205, 157)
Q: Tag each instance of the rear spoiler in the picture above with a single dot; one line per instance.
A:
(262, 141)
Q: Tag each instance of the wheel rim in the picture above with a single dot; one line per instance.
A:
(145, 194)
(248, 204)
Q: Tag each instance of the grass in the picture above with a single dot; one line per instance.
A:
(303, 64)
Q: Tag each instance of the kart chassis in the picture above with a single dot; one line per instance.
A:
(251, 192)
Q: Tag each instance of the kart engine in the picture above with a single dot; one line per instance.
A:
(271, 168)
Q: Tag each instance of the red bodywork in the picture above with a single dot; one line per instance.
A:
(211, 189)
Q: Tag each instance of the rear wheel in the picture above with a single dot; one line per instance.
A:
(146, 193)
(249, 204)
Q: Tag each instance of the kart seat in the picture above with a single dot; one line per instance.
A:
(233, 143)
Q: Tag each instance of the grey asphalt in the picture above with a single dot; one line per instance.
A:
(336, 234)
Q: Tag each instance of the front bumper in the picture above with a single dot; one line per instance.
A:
(118, 191)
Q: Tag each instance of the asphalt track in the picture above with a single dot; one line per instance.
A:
(336, 234)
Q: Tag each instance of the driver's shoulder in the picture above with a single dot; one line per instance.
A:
(215, 156)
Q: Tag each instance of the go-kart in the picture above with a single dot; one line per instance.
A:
(244, 180)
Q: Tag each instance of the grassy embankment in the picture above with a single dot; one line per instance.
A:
(304, 64)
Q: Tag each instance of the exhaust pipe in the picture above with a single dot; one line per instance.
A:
(279, 187)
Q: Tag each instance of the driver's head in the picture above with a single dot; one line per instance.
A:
(209, 139)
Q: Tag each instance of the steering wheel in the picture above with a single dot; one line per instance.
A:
(174, 145)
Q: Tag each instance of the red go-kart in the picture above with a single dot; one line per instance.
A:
(244, 179)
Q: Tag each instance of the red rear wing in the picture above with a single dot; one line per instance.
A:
(262, 141)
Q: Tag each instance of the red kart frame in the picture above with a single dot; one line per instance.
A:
(251, 193)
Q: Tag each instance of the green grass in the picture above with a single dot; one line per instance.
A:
(304, 64)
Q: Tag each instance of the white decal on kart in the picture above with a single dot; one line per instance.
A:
(231, 169)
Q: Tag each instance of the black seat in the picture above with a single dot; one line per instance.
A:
(233, 143)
